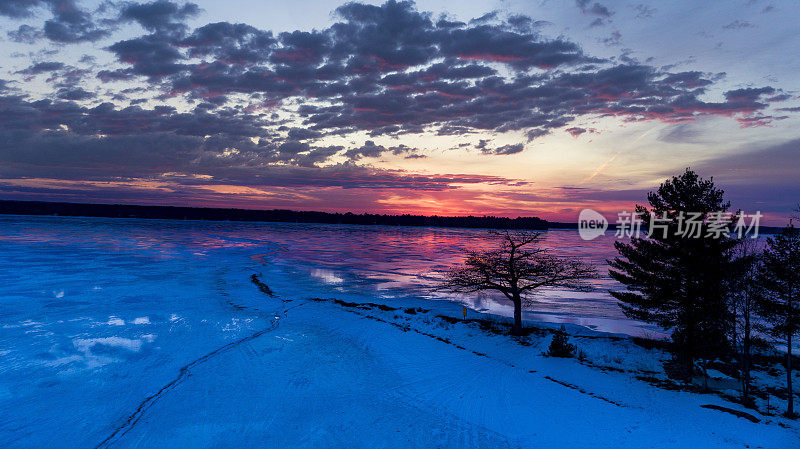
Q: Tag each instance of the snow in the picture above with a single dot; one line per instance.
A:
(154, 346)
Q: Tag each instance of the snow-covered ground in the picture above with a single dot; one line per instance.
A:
(115, 337)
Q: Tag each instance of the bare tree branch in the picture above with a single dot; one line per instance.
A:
(517, 268)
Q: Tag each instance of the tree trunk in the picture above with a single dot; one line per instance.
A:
(790, 407)
(688, 351)
(746, 361)
(517, 330)
(705, 375)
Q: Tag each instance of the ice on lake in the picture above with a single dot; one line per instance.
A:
(149, 333)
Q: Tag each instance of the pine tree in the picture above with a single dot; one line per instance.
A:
(560, 345)
(780, 305)
(675, 279)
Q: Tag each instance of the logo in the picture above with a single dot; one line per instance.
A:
(591, 224)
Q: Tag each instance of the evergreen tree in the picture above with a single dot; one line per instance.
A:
(560, 345)
(780, 304)
(676, 276)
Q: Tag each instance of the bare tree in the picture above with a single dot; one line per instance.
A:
(516, 269)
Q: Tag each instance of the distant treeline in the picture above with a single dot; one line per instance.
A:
(279, 215)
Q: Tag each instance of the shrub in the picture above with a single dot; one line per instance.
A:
(560, 346)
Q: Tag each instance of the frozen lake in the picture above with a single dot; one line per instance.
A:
(55, 259)
(148, 334)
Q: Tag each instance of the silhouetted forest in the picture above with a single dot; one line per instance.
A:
(279, 215)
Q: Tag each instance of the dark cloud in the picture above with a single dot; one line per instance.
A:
(229, 43)
(575, 131)
(391, 69)
(75, 93)
(64, 141)
(150, 56)
(595, 9)
(48, 137)
(263, 102)
(303, 134)
(25, 34)
(369, 149)
(504, 150)
(114, 75)
(18, 9)
(483, 145)
(748, 94)
(70, 24)
(601, 12)
(160, 16)
(42, 67)
(87, 59)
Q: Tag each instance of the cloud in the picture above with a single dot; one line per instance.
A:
(575, 131)
(682, 133)
(392, 69)
(748, 94)
(61, 139)
(738, 25)
(594, 9)
(160, 16)
(601, 13)
(149, 55)
(483, 145)
(258, 107)
(25, 34)
(17, 9)
(508, 149)
(762, 178)
(643, 11)
(613, 39)
(74, 93)
(69, 23)
(42, 67)
(369, 149)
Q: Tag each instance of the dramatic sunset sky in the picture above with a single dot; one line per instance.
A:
(450, 107)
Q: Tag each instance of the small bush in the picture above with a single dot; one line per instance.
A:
(560, 346)
(676, 369)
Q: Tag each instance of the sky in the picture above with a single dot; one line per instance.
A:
(509, 108)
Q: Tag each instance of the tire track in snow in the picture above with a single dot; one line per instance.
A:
(184, 371)
(406, 328)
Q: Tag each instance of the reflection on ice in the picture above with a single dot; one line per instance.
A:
(326, 276)
(366, 260)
